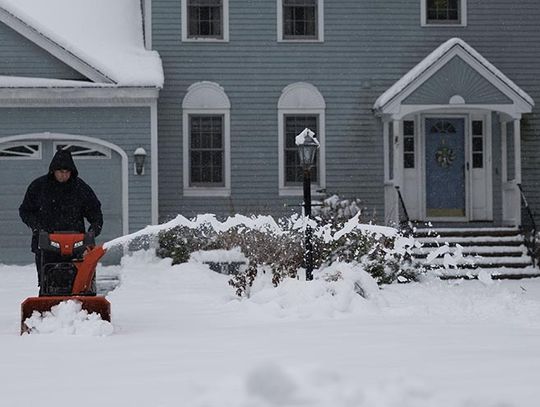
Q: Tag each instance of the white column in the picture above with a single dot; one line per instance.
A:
(517, 150)
(398, 153)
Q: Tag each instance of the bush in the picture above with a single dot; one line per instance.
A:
(387, 259)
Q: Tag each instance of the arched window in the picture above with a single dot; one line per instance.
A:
(206, 140)
(301, 105)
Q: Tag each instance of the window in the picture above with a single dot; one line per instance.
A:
(294, 125)
(478, 143)
(206, 141)
(84, 150)
(205, 20)
(300, 20)
(408, 143)
(301, 105)
(206, 154)
(444, 12)
(31, 150)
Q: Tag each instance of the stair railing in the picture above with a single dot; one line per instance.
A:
(530, 236)
(404, 224)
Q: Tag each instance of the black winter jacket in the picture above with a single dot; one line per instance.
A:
(55, 206)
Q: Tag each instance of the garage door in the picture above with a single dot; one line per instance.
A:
(23, 161)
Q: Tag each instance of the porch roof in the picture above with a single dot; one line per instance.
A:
(437, 59)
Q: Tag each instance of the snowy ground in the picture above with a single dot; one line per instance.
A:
(183, 339)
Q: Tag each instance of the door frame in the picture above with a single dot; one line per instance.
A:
(467, 158)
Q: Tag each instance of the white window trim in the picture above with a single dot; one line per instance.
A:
(301, 99)
(320, 24)
(463, 17)
(225, 25)
(207, 98)
(37, 156)
(102, 149)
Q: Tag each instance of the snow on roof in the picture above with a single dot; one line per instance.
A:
(438, 53)
(26, 82)
(107, 35)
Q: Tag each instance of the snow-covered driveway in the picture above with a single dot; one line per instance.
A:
(183, 339)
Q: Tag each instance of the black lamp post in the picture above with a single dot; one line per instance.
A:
(307, 149)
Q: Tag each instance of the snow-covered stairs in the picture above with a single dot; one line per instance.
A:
(466, 252)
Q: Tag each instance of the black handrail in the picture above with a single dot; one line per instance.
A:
(531, 238)
(406, 223)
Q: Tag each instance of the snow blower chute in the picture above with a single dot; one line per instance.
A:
(68, 269)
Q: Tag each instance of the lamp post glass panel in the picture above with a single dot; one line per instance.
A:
(307, 150)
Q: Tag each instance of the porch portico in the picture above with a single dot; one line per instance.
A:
(452, 140)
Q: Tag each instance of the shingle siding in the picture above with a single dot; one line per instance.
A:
(368, 45)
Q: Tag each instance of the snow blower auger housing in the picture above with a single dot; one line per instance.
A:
(68, 269)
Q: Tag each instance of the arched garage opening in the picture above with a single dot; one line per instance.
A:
(103, 165)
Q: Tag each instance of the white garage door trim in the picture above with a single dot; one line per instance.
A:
(29, 154)
(92, 140)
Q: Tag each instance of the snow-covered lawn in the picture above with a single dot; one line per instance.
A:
(181, 338)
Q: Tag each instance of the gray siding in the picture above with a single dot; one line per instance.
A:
(127, 127)
(368, 46)
(21, 57)
(470, 85)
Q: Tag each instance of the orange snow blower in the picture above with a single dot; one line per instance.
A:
(68, 269)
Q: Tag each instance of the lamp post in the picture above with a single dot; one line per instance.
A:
(307, 149)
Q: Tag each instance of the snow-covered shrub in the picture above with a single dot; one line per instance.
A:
(280, 253)
(338, 235)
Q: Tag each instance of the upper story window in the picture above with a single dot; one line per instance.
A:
(300, 20)
(205, 20)
(206, 141)
(444, 12)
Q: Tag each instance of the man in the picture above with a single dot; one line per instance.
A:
(60, 201)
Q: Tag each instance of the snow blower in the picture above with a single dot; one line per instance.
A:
(68, 269)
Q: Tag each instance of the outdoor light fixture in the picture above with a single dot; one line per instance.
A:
(140, 156)
(307, 150)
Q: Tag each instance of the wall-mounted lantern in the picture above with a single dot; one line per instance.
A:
(140, 157)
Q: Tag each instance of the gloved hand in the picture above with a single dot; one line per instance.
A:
(95, 229)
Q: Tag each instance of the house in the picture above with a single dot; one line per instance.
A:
(434, 97)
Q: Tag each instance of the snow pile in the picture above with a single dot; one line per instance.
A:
(271, 384)
(338, 289)
(68, 318)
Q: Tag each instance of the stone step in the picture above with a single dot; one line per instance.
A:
(467, 232)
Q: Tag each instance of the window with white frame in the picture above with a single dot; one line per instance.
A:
(300, 106)
(300, 20)
(206, 20)
(20, 151)
(84, 150)
(206, 140)
(294, 125)
(206, 153)
(444, 12)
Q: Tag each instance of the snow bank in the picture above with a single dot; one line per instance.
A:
(272, 384)
(339, 289)
(68, 318)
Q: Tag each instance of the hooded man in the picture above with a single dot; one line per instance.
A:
(60, 201)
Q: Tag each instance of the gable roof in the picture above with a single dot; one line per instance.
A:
(418, 74)
(102, 39)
